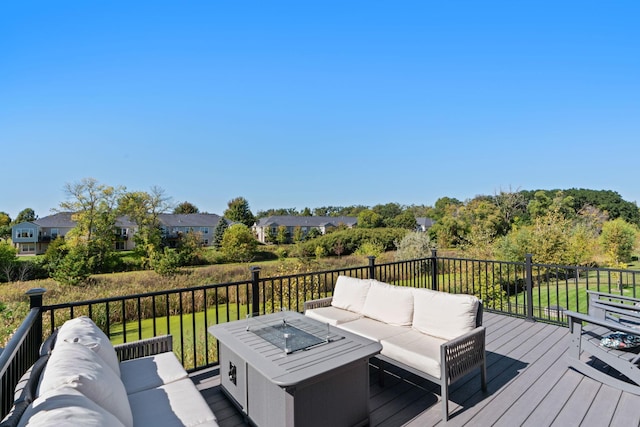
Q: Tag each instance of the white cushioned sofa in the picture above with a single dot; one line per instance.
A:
(81, 379)
(436, 335)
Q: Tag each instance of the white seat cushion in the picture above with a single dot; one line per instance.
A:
(350, 293)
(415, 349)
(79, 367)
(151, 371)
(372, 329)
(332, 315)
(444, 315)
(84, 331)
(178, 403)
(389, 304)
(66, 407)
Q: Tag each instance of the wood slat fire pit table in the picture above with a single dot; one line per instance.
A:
(286, 369)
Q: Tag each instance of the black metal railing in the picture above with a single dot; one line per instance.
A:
(537, 292)
(21, 351)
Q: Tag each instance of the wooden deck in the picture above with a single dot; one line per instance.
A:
(529, 384)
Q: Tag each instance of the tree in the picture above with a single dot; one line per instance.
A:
(73, 269)
(25, 215)
(298, 235)
(8, 260)
(414, 245)
(218, 233)
(512, 206)
(144, 209)
(388, 212)
(369, 219)
(618, 241)
(239, 211)
(282, 236)
(404, 220)
(239, 243)
(94, 208)
(313, 233)
(185, 208)
(5, 225)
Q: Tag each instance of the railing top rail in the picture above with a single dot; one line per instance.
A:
(518, 263)
(144, 295)
(315, 273)
(17, 339)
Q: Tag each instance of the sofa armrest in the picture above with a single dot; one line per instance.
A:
(317, 303)
(145, 347)
(464, 353)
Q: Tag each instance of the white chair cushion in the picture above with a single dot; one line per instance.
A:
(77, 366)
(151, 371)
(178, 403)
(350, 293)
(415, 349)
(372, 329)
(389, 304)
(332, 315)
(444, 315)
(66, 407)
(84, 331)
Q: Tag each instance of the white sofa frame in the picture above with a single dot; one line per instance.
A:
(458, 357)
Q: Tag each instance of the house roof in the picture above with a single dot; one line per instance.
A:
(425, 222)
(306, 221)
(60, 219)
(63, 220)
(189, 220)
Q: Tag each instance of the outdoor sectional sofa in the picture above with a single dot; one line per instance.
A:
(436, 335)
(81, 379)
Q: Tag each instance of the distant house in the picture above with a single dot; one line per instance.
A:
(306, 223)
(32, 238)
(424, 223)
(174, 226)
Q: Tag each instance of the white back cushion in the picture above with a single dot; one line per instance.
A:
(389, 304)
(350, 293)
(78, 367)
(444, 315)
(84, 331)
(66, 407)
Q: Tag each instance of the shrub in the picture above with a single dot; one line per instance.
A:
(351, 239)
(370, 248)
(414, 245)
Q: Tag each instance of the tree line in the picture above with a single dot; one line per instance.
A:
(574, 226)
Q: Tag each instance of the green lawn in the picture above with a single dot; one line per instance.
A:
(188, 346)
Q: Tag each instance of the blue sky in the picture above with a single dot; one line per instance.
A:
(308, 104)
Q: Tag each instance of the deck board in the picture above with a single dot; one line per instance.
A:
(528, 380)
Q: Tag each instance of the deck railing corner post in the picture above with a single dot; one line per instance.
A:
(529, 285)
(35, 301)
(255, 290)
(434, 269)
(372, 267)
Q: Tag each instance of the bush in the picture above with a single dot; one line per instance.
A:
(414, 245)
(370, 248)
(346, 242)
(167, 262)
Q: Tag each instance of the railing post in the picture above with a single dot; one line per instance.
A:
(529, 284)
(372, 267)
(255, 291)
(434, 269)
(35, 301)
